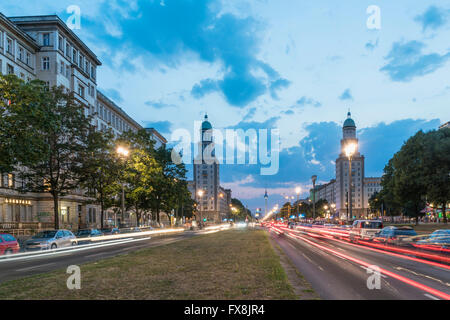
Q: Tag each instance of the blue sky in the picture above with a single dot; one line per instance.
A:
(288, 64)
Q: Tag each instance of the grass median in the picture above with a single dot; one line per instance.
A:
(234, 264)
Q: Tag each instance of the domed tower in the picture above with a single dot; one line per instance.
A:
(343, 174)
(207, 178)
(349, 133)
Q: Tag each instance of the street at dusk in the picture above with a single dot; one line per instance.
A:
(225, 159)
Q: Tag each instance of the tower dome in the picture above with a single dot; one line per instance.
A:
(206, 125)
(349, 121)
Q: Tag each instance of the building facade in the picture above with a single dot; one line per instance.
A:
(214, 203)
(337, 190)
(44, 48)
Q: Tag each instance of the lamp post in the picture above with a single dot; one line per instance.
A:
(349, 152)
(314, 178)
(123, 153)
(200, 195)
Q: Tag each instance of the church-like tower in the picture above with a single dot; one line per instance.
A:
(206, 176)
(342, 173)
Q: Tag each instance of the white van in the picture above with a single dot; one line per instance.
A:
(365, 229)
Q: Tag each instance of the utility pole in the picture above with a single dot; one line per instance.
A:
(314, 178)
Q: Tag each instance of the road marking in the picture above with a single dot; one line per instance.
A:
(34, 267)
(423, 275)
(320, 268)
(430, 296)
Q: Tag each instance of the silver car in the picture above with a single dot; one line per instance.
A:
(50, 239)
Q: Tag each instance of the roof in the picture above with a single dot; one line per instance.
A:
(349, 121)
(156, 133)
(206, 125)
(53, 19)
(101, 96)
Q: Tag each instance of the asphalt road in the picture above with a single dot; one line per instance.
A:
(338, 270)
(46, 261)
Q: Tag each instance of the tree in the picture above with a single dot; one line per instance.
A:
(239, 212)
(170, 184)
(436, 172)
(100, 171)
(18, 111)
(60, 130)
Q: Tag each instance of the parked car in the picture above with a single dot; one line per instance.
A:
(364, 229)
(50, 239)
(110, 231)
(85, 235)
(8, 244)
(439, 239)
(395, 235)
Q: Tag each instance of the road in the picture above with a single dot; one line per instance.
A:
(339, 270)
(18, 268)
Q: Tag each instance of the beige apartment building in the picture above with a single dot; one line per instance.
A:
(43, 47)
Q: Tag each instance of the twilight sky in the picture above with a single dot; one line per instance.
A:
(295, 65)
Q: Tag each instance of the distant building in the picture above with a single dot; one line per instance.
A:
(214, 204)
(337, 190)
(445, 125)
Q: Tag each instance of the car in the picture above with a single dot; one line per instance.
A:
(291, 225)
(439, 239)
(8, 244)
(85, 235)
(364, 229)
(395, 235)
(110, 231)
(50, 239)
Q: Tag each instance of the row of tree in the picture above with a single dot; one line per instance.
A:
(305, 208)
(416, 175)
(48, 141)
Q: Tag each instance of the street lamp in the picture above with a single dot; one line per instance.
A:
(200, 194)
(297, 191)
(123, 153)
(314, 178)
(350, 150)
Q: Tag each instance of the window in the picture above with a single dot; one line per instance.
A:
(28, 59)
(67, 71)
(67, 50)
(21, 55)
(92, 72)
(62, 68)
(1, 39)
(86, 67)
(81, 62)
(9, 46)
(60, 43)
(45, 63)
(46, 39)
(81, 90)
(1, 66)
(74, 55)
(9, 69)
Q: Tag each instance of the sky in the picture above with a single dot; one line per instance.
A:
(297, 66)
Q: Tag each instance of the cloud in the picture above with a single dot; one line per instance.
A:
(158, 104)
(304, 101)
(346, 95)
(251, 112)
(205, 86)
(371, 45)
(161, 126)
(433, 18)
(278, 85)
(113, 94)
(196, 29)
(406, 61)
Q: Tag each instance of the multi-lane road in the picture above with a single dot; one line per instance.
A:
(338, 269)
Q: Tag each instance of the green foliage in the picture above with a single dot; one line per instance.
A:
(240, 212)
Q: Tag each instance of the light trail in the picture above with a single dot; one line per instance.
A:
(382, 270)
(436, 264)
